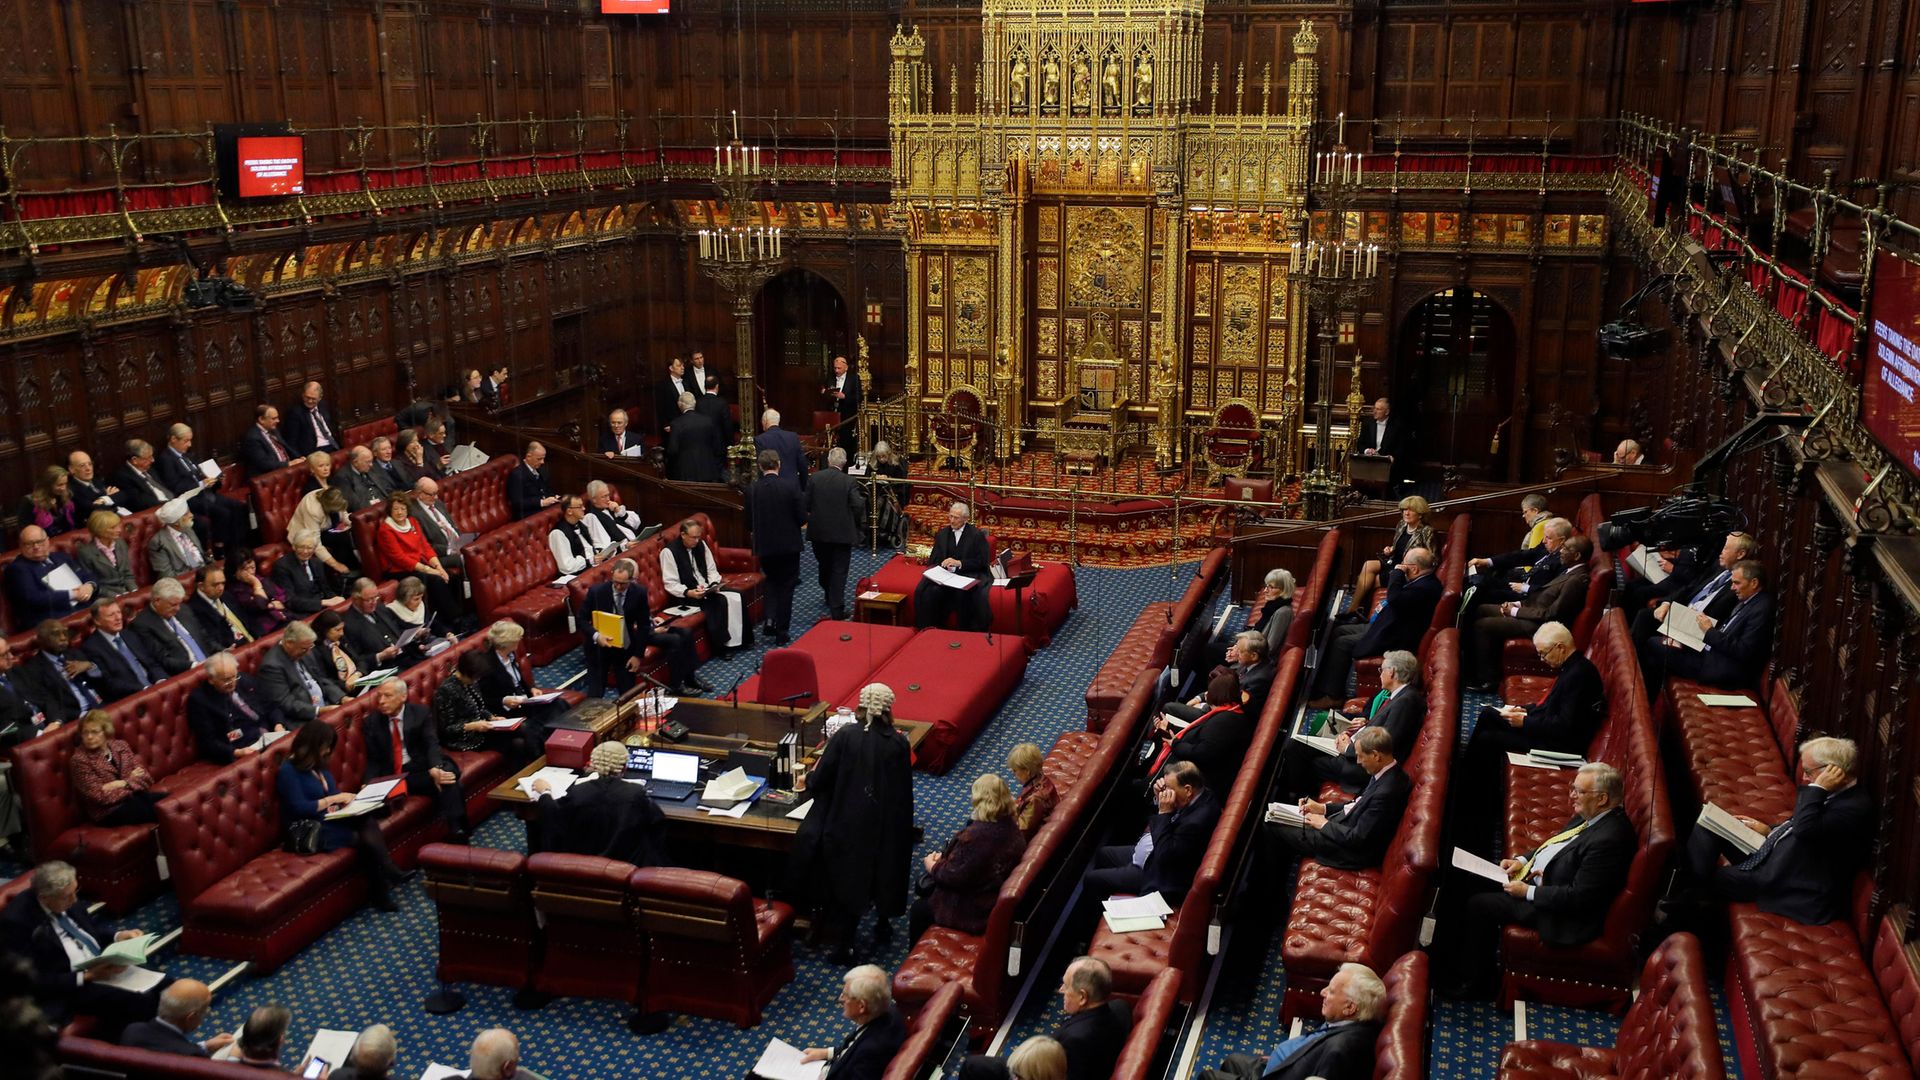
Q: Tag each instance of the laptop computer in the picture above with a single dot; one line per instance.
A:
(674, 776)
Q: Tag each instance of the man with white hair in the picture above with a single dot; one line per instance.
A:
(1400, 707)
(293, 678)
(183, 1006)
(403, 740)
(51, 929)
(357, 482)
(793, 459)
(1628, 453)
(960, 548)
(866, 998)
(181, 472)
(836, 510)
(496, 1056)
(615, 441)
(843, 395)
(696, 449)
(621, 525)
(691, 575)
(1564, 721)
(371, 1057)
(176, 642)
(1354, 1005)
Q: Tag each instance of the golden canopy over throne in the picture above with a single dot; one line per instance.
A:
(1090, 418)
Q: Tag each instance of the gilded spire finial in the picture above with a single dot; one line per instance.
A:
(1306, 42)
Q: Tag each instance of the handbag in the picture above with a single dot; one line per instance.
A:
(303, 837)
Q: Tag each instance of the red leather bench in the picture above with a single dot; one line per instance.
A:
(590, 949)
(364, 434)
(477, 498)
(930, 1037)
(1730, 755)
(1668, 1031)
(512, 572)
(1373, 916)
(85, 1055)
(1517, 656)
(1047, 601)
(1400, 1053)
(1137, 957)
(484, 901)
(1148, 643)
(845, 656)
(713, 950)
(955, 681)
(275, 495)
(1313, 592)
(1452, 568)
(1152, 1014)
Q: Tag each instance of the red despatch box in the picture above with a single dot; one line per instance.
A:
(569, 749)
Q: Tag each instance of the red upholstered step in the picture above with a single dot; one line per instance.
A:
(1332, 916)
(1137, 957)
(952, 680)
(1048, 600)
(845, 655)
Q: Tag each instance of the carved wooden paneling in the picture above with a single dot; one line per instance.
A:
(1412, 73)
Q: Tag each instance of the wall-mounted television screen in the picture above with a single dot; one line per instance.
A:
(260, 161)
(633, 7)
(1890, 398)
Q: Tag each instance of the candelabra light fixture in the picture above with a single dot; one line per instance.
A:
(741, 257)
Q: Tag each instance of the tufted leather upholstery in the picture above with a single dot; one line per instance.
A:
(1072, 754)
(1310, 594)
(1730, 754)
(1372, 916)
(1453, 580)
(1400, 1053)
(1783, 711)
(93, 1057)
(712, 949)
(1668, 1031)
(1148, 643)
(1135, 958)
(506, 563)
(477, 498)
(929, 1034)
(1048, 600)
(1591, 512)
(275, 494)
(737, 566)
(1517, 656)
(1599, 973)
(484, 899)
(1899, 984)
(362, 434)
(1152, 1014)
(592, 947)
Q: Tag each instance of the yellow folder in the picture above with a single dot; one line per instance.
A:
(612, 627)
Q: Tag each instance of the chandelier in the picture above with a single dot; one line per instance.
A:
(737, 171)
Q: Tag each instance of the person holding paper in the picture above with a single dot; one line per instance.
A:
(139, 487)
(1412, 594)
(958, 886)
(1737, 647)
(404, 740)
(690, 574)
(1806, 868)
(1564, 721)
(507, 689)
(263, 1037)
(332, 648)
(1350, 834)
(614, 441)
(1096, 1027)
(866, 998)
(123, 666)
(110, 782)
(577, 542)
(53, 931)
(43, 583)
(836, 511)
(293, 678)
(1167, 855)
(307, 792)
(403, 552)
(776, 512)
(1497, 569)
(437, 526)
(1353, 1005)
(1399, 707)
(606, 817)
(91, 491)
(529, 490)
(960, 548)
(1562, 889)
(357, 481)
(409, 611)
(627, 602)
(227, 713)
(183, 1006)
(198, 483)
(466, 723)
(1492, 625)
(371, 636)
(1696, 583)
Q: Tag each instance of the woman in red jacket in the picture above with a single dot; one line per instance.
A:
(403, 551)
(113, 786)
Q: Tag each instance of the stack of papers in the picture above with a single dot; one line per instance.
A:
(940, 575)
(1681, 627)
(61, 579)
(781, 1061)
(509, 723)
(1646, 563)
(542, 699)
(799, 813)
(374, 678)
(1285, 813)
(680, 611)
(729, 786)
(1545, 759)
(561, 779)
(1132, 914)
(132, 952)
(1731, 829)
(370, 798)
(1323, 743)
(267, 739)
(137, 980)
(413, 634)
(634, 451)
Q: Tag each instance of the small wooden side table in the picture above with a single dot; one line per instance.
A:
(879, 607)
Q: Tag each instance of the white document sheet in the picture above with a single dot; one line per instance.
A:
(1646, 563)
(1479, 867)
(1733, 701)
(940, 575)
(1152, 905)
(61, 579)
(1681, 627)
(781, 1061)
(332, 1046)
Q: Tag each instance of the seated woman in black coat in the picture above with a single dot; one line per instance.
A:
(460, 712)
(1215, 741)
(308, 793)
(962, 883)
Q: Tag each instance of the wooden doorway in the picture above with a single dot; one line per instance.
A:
(803, 326)
(1452, 379)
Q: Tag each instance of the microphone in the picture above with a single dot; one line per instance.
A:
(796, 696)
(733, 692)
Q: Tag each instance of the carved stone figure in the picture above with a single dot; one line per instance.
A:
(1050, 81)
(1017, 84)
(1082, 85)
(1143, 81)
(1110, 84)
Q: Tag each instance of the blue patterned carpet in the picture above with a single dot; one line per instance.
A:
(377, 967)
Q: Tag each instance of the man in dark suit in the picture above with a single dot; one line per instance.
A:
(357, 481)
(387, 474)
(1380, 436)
(1492, 625)
(843, 393)
(1399, 707)
(1806, 867)
(261, 448)
(529, 491)
(961, 548)
(1248, 660)
(627, 598)
(1096, 1027)
(1705, 590)
(58, 681)
(666, 394)
(1353, 1003)
(90, 492)
(21, 717)
(1399, 624)
(402, 740)
(1564, 721)
(169, 637)
(793, 459)
(220, 626)
(436, 524)
(1737, 647)
(179, 469)
(1535, 568)
(866, 998)
(182, 1007)
(1351, 834)
(294, 680)
(776, 512)
(713, 406)
(1181, 827)
(311, 425)
(305, 579)
(126, 667)
(140, 488)
(372, 635)
(696, 452)
(48, 927)
(836, 508)
(227, 713)
(29, 596)
(1563, 889)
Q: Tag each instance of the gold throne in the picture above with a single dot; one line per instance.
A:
(1090, 417)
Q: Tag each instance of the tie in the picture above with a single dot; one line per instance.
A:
(120, 646)
(313, 687)
(1765, 849)
(279, 449)
(1291, 1049)
(399, 749)
(1731, 619)
(241, 704)
(620, 441)
(239, 628)
(321, 433)
(187, 547)
(619, 602)
(81, 694)
(72, 929)
(1714, 586)
(193, 647)
(1525, 866)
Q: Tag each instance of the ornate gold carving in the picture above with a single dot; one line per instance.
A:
(1048, 291)
(936, 280)
(1076, 333)
(1203, 288)
(1050, 82)
(1277, 300)
(972, 316)
(1018, 76)
(1222, 385)
(1240, 314)
(1110, 96)
(1049, 337)
(1049, 224)
(1047, 378)
(1080, 83)
(936, 333)
(1143, 82)
(1130, 339)
(1104, 253)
